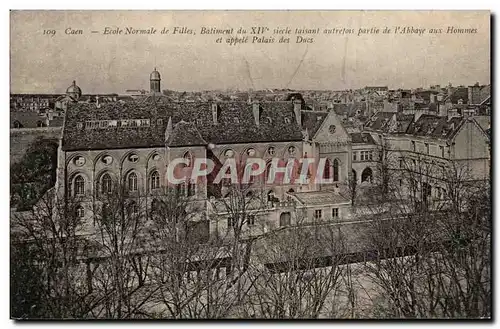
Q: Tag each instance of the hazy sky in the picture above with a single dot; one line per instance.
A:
(108, 63)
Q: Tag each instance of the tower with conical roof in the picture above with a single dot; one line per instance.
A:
(154, 81)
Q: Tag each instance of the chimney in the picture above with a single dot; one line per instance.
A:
(256, 112)
(97, 102)
(297, 106)
(469, 95)
(433, 98)
(215, 113)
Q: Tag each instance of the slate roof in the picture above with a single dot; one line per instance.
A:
(379, 121)
(362, 138)
(235, 124)
(484, 121)
(185, 134)
(435, 126)
(312, 121)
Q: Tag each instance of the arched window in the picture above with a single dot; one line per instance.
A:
(79, 188)
(40, 124)
(79, 211)
(327, 169)
(17, 124)
(106, 184)
(189, 159)
(132, 181)
(336, 170)
(354, 176)
(285, 219)
(267, 172)
(367, 175)
(154, 180)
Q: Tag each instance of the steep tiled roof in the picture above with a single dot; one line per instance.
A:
(235, 124)
(185, 134)
(362, 138)
(379, 121)
(484, 121)
(435, 126)
(312, 121)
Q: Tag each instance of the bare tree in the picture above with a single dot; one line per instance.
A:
(429, 252)
(46, 251)
(297, 272)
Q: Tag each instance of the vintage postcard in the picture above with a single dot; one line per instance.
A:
(250, 165)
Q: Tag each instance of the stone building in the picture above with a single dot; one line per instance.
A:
(134, 142)
(436, 146)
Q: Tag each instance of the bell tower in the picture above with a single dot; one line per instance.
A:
(154, 81)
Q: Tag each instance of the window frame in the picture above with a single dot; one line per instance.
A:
(79, 185)
(134, 182)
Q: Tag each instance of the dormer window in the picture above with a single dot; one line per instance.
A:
(269, 120)
(287, 120)
(159, 122)
(271, 151)
(236, 120)
(229, 153)
(199, 122)
(292, 150)
(251, 152)
(79, 125)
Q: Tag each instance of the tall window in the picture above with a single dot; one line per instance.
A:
(426, 148)
(79, 211)
(154, 180)
(336, 170)
(132, 182)
(413, 146)
(267, 172)
(106, 184)
(250, 220)
(354, 156)
(79, 185)
(335, 212)
(441, 149)
(318, 214)
(188, 158)
(326, 169)
(191, 189)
